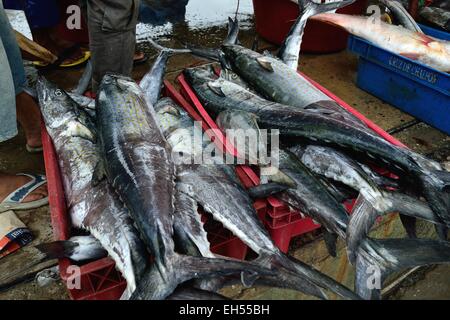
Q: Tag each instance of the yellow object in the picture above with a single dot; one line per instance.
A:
(83, 59)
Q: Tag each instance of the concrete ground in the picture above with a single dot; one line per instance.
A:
(336, 72)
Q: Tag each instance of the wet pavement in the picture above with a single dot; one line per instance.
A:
(336, 72)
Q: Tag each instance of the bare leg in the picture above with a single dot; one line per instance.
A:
(29, 116)
(10, 182)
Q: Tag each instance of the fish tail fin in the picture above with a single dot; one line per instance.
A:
(297, 275)
(364, 215)
(57, 249)
(377, 259)
(158, 284)
(233, 31)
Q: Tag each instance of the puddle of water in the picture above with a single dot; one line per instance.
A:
(180, 17)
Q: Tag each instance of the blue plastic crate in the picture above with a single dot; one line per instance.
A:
(407, 84)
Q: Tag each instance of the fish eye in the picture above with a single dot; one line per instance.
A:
(58, 93)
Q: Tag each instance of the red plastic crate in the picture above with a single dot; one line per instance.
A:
(281, 222)
(274, 19)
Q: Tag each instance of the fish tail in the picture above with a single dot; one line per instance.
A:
(364, 215)
(159, 284)
(377, 259)
(233, 31)
(57, 249)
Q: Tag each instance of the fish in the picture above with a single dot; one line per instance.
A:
(137, 162)
(299, 125)
(429, 51)
(91, 206)
(215, 187)
(401, 15)
(290, 49)
(436, 16)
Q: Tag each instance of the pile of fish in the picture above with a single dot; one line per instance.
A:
(125, 187)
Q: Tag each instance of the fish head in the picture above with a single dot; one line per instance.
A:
(199, 75)
(118, 83)
(53, 101)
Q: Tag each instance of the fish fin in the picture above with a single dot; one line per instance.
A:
(330, 242)
(409, 224)
(377, 259)
(57, 249)
(233, 31)
(364, 215)
(265, 64)
(77, 129)
(216, 88)
(265, 190)
(157, 285)
(410, 55)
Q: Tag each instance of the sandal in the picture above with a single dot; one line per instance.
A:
(14, 200)
(82, 59)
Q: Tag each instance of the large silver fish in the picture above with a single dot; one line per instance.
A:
(95, 208)
(417, 46)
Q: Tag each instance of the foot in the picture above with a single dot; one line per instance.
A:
(10, 182)
(29, 117)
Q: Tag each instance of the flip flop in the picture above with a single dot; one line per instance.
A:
(34, 149)
(14, 200)
(85, 57)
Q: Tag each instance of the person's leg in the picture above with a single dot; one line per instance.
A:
(11, 182)
(28, 113)
(8, 124)
(112, 36)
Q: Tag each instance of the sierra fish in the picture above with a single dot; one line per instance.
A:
(92, 206)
